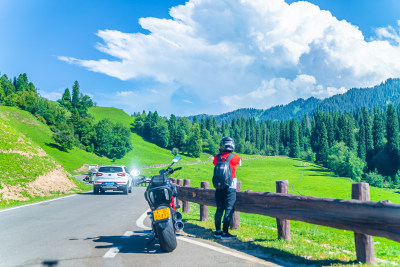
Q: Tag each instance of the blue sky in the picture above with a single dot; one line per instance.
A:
(201, 56)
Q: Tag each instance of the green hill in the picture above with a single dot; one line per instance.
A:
(40, 133)
(143, 153)
(27, 172)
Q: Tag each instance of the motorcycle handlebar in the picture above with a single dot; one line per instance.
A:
(144, 180)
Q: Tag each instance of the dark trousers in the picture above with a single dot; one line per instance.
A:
(225, 199)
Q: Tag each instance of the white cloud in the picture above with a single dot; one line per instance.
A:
(390, 33)
(50, 95)
(254, 53)
(125, 93)
(187, 101)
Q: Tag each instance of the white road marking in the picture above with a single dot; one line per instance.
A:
(127, 234)
(140, 223)
(37, 203)
(112, 252)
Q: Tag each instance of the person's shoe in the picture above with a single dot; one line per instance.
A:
(226, 236)
(217, 234)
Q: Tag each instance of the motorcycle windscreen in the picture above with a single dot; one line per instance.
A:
(160, 196)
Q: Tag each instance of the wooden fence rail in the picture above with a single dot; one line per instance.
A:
(362, 217)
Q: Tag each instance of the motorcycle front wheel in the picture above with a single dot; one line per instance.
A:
(166, 236)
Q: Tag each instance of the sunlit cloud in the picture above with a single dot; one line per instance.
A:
(247, 53)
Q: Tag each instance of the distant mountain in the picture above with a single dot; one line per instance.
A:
(380, 95)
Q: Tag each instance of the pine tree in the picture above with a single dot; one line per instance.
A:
(392, 133)
(75, 95)
(378, 131)
(349, 137)
(66, 99)
(322, 156)
(172, 128)
(194, 143)
(362, 149)
(294, 151)
(369, 143)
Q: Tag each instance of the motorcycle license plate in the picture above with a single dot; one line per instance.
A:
(161, 214)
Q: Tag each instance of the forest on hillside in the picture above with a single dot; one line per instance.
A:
(68, 118)
(363, 144)
(380, 95)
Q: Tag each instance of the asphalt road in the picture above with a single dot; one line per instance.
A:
(99, 230)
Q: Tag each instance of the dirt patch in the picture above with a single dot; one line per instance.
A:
(3, 116)
(40, 152)
(12, 192)
(55, 180)
(84, 168)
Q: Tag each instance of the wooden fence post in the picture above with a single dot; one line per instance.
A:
(180, 183)
(204, 208)
(364, 243)
(283, 225)
(235, 222)
(186, 204)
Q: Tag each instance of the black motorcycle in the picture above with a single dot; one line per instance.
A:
(161, 195)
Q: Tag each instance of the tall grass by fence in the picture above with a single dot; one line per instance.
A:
(365, 218)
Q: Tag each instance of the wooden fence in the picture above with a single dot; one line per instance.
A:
(365, 218)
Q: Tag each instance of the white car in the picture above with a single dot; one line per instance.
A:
(112, 177)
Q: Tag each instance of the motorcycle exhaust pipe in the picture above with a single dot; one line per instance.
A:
(177, 216)
(178, 225)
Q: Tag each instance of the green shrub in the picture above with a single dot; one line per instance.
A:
(374, 179)
(308, 155)
(344, 162)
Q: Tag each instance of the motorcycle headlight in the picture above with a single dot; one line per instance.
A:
(152, 197)
(166, 193)
(135, 172)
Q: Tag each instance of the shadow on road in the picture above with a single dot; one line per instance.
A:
(274, 255)
(137, 243)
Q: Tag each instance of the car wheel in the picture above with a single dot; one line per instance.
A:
(125, 190)
(102, 191)
(130, 189)
(95, 191)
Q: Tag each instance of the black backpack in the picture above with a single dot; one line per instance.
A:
(222, 178)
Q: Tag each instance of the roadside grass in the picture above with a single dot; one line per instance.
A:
(22, 160)
(81, 188)
(16, 169)
(311, 244)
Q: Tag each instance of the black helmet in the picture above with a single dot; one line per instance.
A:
(227, 145)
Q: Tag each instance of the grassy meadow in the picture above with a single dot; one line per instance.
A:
(311, 244)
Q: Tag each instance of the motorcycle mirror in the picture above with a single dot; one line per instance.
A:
(176, 159)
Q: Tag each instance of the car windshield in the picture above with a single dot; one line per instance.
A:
(111, 169)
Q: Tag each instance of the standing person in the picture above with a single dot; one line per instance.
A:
(225, 182)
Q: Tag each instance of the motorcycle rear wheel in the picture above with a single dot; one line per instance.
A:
(166, 237)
